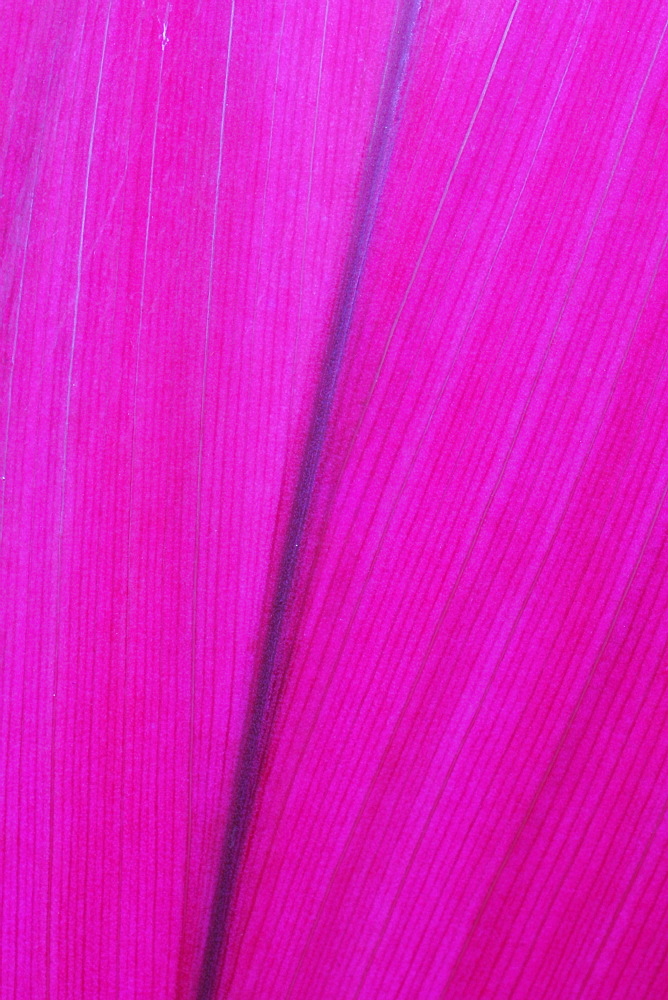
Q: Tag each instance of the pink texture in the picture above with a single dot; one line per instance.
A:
(460, 786)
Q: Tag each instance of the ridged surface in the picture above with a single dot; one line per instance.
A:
(460, 781)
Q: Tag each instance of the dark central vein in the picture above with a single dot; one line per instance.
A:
(259, 716)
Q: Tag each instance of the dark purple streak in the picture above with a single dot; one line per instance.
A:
(258, 724)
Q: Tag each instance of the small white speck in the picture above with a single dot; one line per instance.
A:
(164, 37)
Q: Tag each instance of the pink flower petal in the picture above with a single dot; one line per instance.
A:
(333, 501)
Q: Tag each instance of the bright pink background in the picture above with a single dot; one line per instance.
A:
(465, 794)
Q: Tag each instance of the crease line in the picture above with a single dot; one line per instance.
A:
(259, 715)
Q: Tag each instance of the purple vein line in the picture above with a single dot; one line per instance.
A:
(258, 722)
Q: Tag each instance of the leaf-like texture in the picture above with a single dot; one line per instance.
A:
(334, 445)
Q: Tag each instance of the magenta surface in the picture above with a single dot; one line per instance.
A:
(343, 324)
